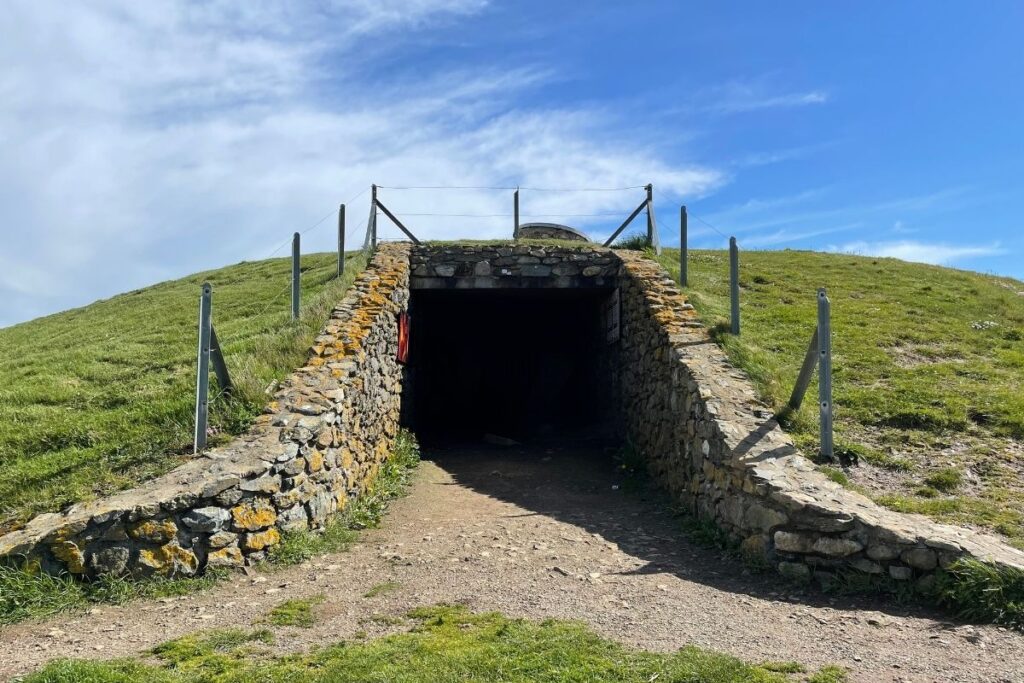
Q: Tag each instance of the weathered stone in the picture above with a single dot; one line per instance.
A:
(445, 270)
(261, 539)
(794, 570)
(70, 555)
(836, 547)
(221, 539)
(254, 514)
(267, 484)
(153, 531)
(900, 573)
(293, 519)
(788, 542)
(225, 557)
(755, 547)
(883, 552)
(763, 518)
(865, 565)
(920, 558)
(169, 560)
(206, 520)
(110, 560)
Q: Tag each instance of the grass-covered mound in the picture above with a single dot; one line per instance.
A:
(446, 644)
(928, 372)
(99, 398)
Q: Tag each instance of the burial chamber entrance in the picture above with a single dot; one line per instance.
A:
(513, 343)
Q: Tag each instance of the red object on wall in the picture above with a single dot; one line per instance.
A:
(403, 337)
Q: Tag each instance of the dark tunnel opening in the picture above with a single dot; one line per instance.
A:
(531, 365)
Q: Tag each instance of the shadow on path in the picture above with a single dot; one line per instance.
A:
(581, 485)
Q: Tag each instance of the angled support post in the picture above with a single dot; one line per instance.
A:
(203, 369)
(625, 223)
(296, 259)
(394, 219)
(652, 223)
(825, 374)
(796, 399)
(515, 214)
(220, 367)
(341, 240)
(734, 285)
(683, 279)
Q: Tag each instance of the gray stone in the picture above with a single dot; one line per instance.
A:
(110, 560)
(795, 570)
(222, 539)
(763, 518)
(865, 565)
(836, 547)
(900, 573)
(206, 520)
(920, 558)
(293, 519)
(883, 552)
(789, 542)
(445, 270)
(267, 484)
(535, 271)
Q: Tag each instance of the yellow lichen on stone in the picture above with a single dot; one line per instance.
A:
(70, 554)
(169, 559)
(262, 539)
(153, 531)
(254, 514)
(315, 460)
(225, 557)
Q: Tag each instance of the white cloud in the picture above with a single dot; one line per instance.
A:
(741, 97)
(149, 140)
(921, 252)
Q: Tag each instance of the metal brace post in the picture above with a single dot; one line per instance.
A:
(203, 369)
(341, 240)
(515, 214)
(683, 279)
(296, 260)
(734, 285)
(825, 373)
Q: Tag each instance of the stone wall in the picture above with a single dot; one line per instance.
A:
(319, 444)
(719, 452)
(490, 266)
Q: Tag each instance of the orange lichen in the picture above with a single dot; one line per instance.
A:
(254, 514)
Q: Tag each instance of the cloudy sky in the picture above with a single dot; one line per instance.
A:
(147, 140)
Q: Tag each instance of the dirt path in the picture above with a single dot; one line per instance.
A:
(548, 535)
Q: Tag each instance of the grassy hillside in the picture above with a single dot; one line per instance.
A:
(96, 399)
(928, 372)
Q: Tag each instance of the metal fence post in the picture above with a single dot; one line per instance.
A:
(683, 280)
(825, 373)
(373, 217)
(203, 370)
(734, 284)
(220, 366)
(652, 223)
(295, 276)
(804, 378)
(515, 214)
(341, 240)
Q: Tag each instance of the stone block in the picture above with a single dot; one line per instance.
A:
(225, 557)
(836, 547)
(253, 514)
(920, 558)
(110, 560)
(789, 542)
(206, 520)
(797, 571)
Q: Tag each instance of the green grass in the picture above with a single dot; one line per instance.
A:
(297, 612)
(100, 398)
(447, 644)
(382, 589)
(26, 594)
(923, 382)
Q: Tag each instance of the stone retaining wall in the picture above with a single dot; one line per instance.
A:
(319, 444)
(490, 266)
(705, 437)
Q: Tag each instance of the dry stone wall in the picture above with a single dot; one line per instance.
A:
(705, 437)
(496, 266)
(320, 443)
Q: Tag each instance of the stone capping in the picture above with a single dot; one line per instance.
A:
(574, 265)
(319, 444)
(717, 449)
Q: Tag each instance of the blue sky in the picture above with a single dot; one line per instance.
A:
(144, 141)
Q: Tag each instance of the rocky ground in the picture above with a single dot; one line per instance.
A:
(548, 533)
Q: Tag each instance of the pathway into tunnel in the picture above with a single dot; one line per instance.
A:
(548, 532)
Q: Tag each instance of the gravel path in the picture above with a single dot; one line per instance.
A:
(548, 534)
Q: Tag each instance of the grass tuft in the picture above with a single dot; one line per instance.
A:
(448, 643)
(382, 589)
(945, 480)
(980, 591)
(298, 612)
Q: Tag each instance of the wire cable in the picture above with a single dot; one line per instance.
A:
(494, 187)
